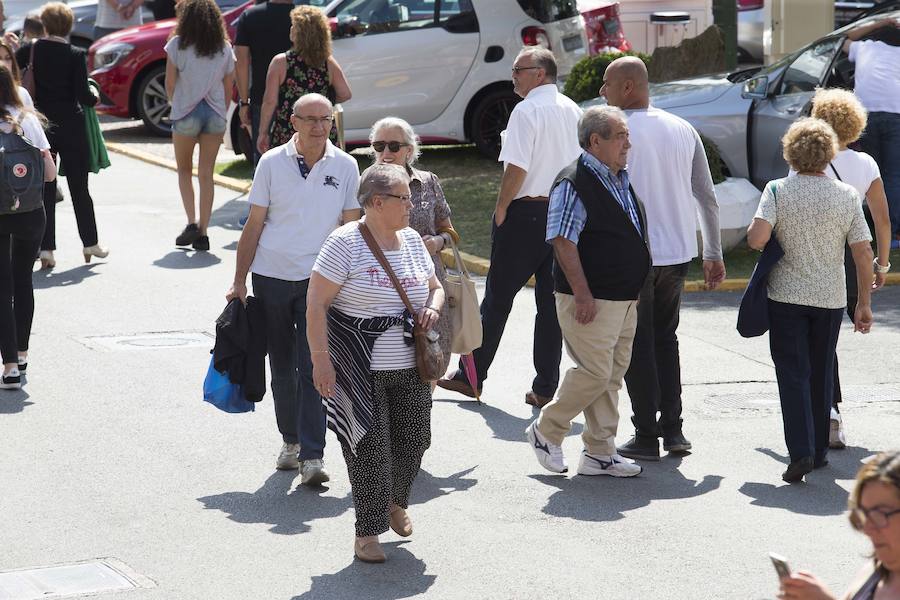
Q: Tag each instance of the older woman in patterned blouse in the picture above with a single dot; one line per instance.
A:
(812, 217)
(394, 142)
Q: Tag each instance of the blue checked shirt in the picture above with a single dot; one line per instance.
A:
(566, 214)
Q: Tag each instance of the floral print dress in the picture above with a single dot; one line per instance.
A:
(429, 206)
(301, 79)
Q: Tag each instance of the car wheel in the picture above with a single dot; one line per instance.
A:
(489, 118)
(153, 104)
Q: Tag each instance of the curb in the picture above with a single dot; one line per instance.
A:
(237, 185)
(475, 264)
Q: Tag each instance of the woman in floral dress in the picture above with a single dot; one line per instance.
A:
(308, 67)
(394, 142)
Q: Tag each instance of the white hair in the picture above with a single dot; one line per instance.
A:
(379, 179)
(409, 136)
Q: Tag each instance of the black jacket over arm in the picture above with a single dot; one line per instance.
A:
(240, 349)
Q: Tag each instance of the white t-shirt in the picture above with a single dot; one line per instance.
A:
(857, 169)
(31, 128)
(812, 218)
(670, 174)
(367, 291)
(109, 18)
(541, 138)
(199, 78)
(300, 212)
(25, 97)
(877, 79)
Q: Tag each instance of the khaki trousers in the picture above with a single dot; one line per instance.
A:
(601, 351)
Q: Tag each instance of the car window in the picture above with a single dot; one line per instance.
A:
(384, 16)
(808, 69)
(457, 16)
(547, 11)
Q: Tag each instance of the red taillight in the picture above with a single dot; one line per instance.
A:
(535, 36)
(749, 4)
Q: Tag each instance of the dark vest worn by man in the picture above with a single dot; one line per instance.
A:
(614, 255)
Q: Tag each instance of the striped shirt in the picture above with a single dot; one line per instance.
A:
(366, 290)
(567, 216)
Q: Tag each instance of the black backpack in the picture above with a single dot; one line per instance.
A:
(21, 173)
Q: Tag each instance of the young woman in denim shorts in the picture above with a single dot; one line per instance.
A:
(199, 79)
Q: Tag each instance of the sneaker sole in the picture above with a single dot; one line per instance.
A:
(287, 467)
(610, 473)
(10, 386)
(316, 479)
(678, 448)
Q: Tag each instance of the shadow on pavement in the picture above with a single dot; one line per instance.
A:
(228, 215)
(187, 259)
(287, 513)
(402, 576)
(13, 401)
(579, 496)
(45, 279)
(428, 487)
(820, 495)
(504, 426)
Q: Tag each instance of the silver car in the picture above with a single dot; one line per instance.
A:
(746, 113)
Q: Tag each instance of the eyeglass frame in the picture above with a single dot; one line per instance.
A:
(859, 523)
(323, 121)
(387, 145)
(402, 198)
(518, 70)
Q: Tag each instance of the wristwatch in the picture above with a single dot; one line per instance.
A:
(878, 268)
(243, 103)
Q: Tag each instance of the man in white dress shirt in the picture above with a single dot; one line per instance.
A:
(541, 139)
(670, 173)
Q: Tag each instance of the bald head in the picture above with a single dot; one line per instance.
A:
(626, 84)
(309, 100)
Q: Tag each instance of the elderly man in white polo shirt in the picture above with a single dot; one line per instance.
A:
(541, 139)
(669, 171)
(302, 191)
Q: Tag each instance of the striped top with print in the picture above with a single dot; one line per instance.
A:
(366, 290)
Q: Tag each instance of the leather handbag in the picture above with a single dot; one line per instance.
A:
(429, 356)
(28, 73)
(462, 302)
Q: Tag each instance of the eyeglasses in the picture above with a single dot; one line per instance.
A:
(403, 198)
(324, 121)
(878, 517)
(379, 146)
(520, 69)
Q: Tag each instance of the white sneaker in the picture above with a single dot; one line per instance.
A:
(313, 472)
(287, 458)
(11, 381)
(836, 437)
(600, 464)
(549, 455)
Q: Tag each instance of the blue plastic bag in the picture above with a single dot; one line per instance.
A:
(224, 395)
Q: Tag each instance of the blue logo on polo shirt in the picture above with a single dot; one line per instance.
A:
(329, 180)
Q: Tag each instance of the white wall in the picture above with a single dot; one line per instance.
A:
(635, 17)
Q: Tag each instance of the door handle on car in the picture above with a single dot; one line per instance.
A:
(792, 110)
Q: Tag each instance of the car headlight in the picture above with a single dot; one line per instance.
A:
(109, 55)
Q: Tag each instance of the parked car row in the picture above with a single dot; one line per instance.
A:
(746, 113)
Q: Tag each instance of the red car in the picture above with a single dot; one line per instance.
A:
(130, 66)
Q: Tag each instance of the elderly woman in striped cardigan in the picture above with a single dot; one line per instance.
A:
(364, 363)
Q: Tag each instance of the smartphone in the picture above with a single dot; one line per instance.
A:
(781, 565)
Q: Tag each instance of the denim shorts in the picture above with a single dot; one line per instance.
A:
(203, 119)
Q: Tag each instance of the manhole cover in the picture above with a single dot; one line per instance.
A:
(61, 581)
(151, 341)
(745, 401)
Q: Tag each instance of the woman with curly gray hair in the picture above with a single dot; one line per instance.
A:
(812, 217)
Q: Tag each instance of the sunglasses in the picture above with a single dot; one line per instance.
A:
(392, 146)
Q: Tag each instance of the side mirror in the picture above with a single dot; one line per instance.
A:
(756, 88)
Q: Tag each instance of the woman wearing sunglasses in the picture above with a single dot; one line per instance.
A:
(874, 510)
(394, 142)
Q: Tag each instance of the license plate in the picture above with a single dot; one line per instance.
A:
(572, 43)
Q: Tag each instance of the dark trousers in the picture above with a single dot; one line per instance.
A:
(389, 455)
(518, 251)
(299, 411)
(20, 237)
(802, 340)
(881, 140)
(76, 166)
(654, 376)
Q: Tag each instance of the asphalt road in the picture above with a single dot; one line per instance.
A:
(133, 133)
(109, 451)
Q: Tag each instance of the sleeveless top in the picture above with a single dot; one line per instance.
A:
(301, 79)
(867, 591)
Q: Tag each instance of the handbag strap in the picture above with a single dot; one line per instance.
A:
(30, 66)
(376, 250)
(836, 174)
(460, 265)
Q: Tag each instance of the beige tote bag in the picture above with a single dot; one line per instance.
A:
(462, 302)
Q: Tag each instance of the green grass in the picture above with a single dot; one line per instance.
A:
(471, 183)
